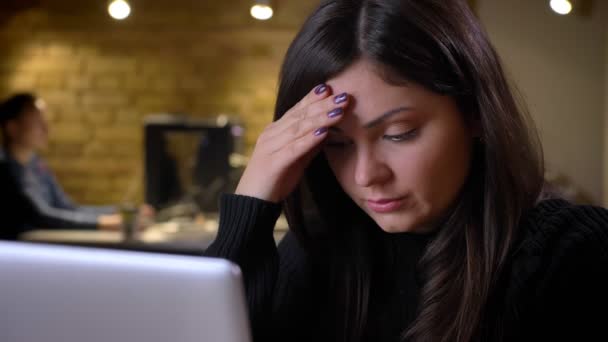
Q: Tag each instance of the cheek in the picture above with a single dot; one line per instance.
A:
(32, 133)
(409, 166)
(41, 132)
(38, 132)
(443, 167)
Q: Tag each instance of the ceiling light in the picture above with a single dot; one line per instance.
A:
(561, 7)
(262, 10)
(119, 9)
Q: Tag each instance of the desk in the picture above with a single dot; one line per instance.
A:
(167, 237)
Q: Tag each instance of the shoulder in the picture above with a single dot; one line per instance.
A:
(556, 226)
(39, 165)
(6, 166)
(559, 270)
(5, 169)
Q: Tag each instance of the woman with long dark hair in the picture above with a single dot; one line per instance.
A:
(412, 182)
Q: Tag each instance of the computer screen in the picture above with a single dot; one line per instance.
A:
(187, 161)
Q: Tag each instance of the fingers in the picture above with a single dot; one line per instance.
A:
(317, 93)
(304, 147)
(324, 113)
(289, 143)
(305, 126)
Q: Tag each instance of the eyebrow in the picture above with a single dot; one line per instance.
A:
(377, 121)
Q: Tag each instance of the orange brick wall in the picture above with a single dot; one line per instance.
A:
(101, 77)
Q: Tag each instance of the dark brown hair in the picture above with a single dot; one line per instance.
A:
(440, 45)
(11, 109)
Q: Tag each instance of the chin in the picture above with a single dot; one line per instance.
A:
(396, 229)
(403, 222)
(395, 223)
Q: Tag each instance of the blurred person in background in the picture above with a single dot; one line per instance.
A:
(32, 197)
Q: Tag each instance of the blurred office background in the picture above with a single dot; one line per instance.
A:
(211, 60)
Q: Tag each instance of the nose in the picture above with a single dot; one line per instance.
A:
(370, 169)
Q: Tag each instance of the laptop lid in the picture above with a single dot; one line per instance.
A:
(72, 294)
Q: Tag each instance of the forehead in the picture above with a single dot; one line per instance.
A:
(32, 112)
(371, 94)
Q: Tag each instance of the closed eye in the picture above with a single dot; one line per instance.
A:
(396, 138)
(401, 137)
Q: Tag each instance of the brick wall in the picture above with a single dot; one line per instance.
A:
(101, 77)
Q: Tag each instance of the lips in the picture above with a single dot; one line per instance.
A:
(385, 205)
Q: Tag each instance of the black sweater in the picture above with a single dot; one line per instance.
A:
(556, 287)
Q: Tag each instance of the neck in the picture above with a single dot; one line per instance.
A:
(21, 154)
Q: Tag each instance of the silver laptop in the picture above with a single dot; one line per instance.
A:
(72, 294)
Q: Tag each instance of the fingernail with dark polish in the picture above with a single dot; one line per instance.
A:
(340, 98)
(320, 89)
(336, 112)
(320, 131)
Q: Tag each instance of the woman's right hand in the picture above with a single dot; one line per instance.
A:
(288, 145)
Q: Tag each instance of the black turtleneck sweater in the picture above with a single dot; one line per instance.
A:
(556, 286)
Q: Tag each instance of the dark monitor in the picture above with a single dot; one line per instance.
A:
(187, 161)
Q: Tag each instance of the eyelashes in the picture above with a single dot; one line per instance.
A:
(396, 138)
(402, 137)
